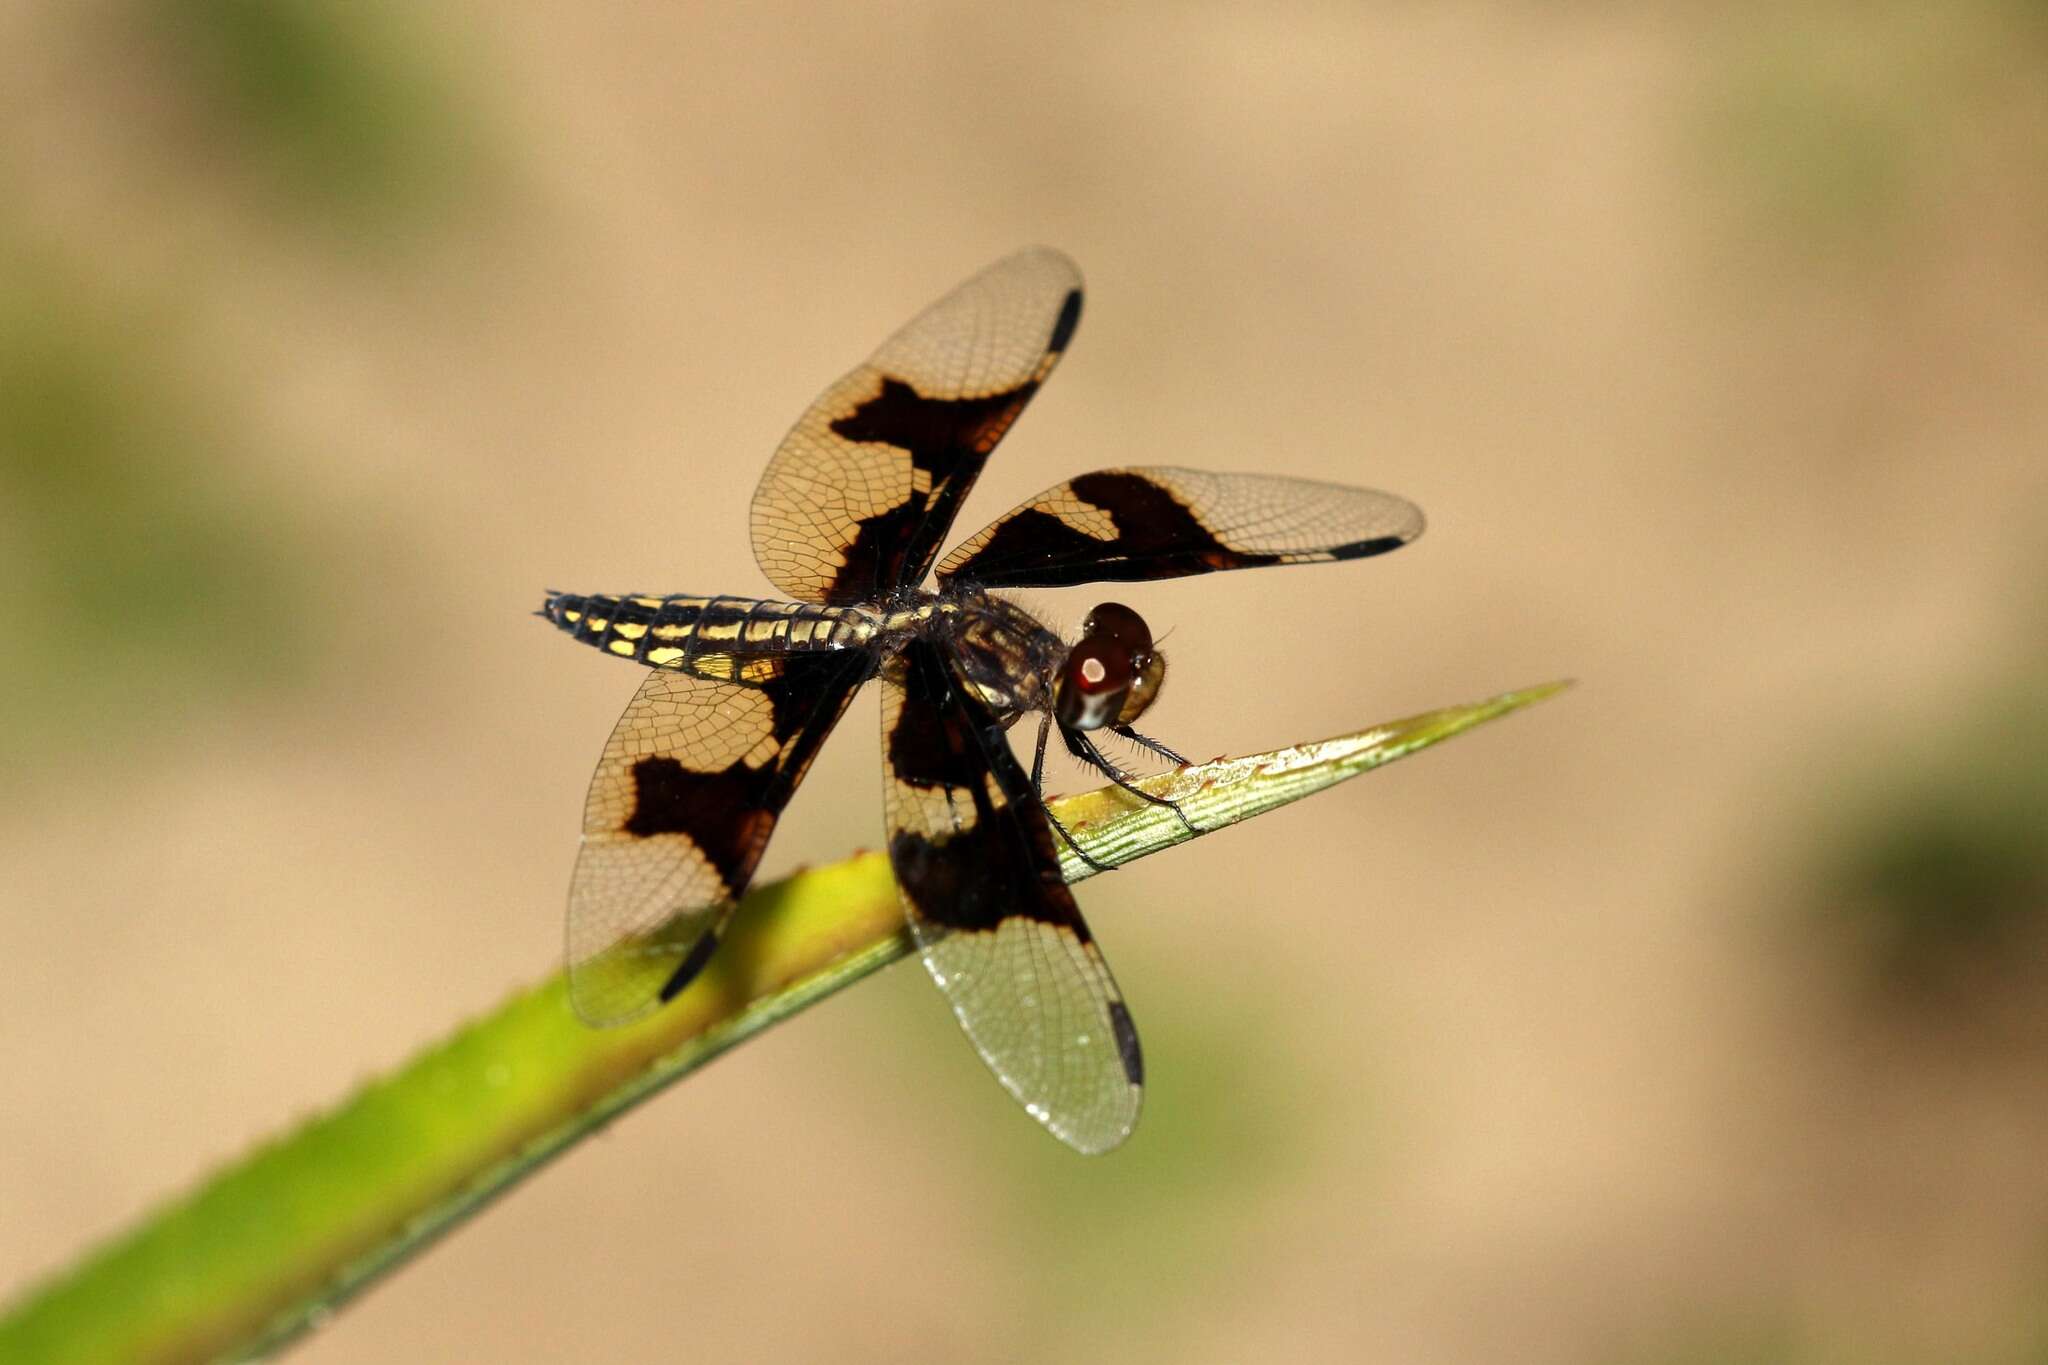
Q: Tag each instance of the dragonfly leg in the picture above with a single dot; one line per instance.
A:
(1084, 749)
(1038, 786)
(1147, 742)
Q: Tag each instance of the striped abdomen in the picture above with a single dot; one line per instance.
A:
(729, 638)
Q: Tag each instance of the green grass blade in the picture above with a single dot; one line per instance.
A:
(272, 1244)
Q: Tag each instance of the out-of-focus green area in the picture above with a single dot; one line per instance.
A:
(344, 109)
(1710, 338)
(1119, 1250)
(1938, 867)
(135, 560)
(147, 545)
(1839, 126)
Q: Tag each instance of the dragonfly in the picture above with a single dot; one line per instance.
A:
(740, 692)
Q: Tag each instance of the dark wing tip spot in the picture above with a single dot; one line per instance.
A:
(1070, 318)
(1366, 549)
(692, 963)
(1126, 1034)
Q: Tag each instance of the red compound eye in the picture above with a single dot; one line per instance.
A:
(1111, 675)
(1096, 671)
(1144, 688)
(1118, 624)
(1092, 684)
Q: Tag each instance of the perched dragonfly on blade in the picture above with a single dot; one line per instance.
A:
(741, 691)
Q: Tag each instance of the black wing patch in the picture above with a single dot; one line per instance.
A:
(865, 486)
(688, 791)
(1000, 932)
(1122, 525)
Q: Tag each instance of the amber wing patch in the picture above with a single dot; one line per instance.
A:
(866, 485)
(683, 801)
(1000, 933)
(1121, 525)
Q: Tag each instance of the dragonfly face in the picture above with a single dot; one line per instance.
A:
(740, 692)
(1111, 675)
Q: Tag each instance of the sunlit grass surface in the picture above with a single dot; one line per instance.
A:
(269, 1247)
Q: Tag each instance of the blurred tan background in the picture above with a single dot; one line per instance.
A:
(1700, 1015)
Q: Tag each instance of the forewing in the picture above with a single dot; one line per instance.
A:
(1121, 525)
(1001, 935)
(865, 486)
(682, 805)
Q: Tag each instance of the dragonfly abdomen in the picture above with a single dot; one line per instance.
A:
(707, 636)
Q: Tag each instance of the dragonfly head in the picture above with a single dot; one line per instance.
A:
(1111, 674)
